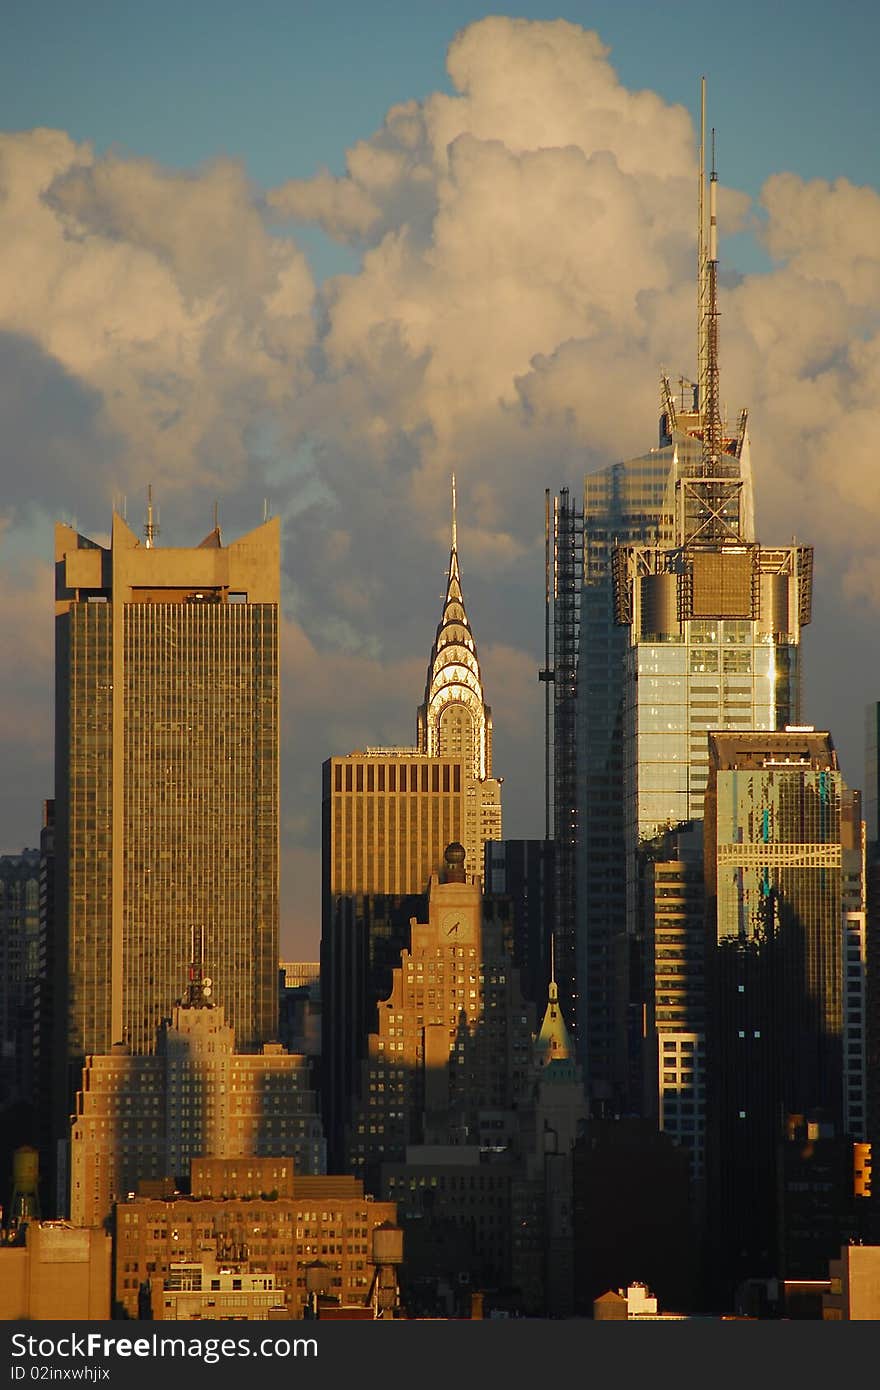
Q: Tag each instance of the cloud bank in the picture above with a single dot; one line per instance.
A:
(526, 267)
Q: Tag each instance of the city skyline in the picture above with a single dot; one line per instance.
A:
(508, 306)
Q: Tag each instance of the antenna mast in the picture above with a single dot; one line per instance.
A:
(711, 413)
(710, 510)
(454, 523)
(702, 295)
(151, 528)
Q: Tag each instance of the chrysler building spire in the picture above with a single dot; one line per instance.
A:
(455, 719)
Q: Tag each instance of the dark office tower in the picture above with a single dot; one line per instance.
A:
(872, 775)
(166, 795)
(522, 872)
(387, 816)
(623, 504)
(784, 872)
(872, 1024)
(563, 539)
(19, 942)
(50, 971)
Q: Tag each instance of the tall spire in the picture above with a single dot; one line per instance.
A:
(455, 719)
(713, 480)
(702, 295)
(553, 1043)
(710, 405)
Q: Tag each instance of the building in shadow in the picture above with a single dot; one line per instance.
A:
(785, 891)
(468, 1113)
(145, 1117)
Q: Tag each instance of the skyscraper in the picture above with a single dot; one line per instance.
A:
(454, 720)
(522, 872)
(388, 815)
(784, 876)
(625, 503)
(167, 786)
(687, 624)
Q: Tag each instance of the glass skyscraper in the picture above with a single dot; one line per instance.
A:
(625, 503)
(167, 785)
(687, 624)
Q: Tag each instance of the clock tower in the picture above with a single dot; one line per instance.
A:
(454, 906)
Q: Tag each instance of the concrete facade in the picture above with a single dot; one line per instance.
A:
(147, 1117)
(854, 1295)
(328, 1219)
(58, 1274)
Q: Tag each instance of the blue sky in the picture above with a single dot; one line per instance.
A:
(510, 297)
(288, 85)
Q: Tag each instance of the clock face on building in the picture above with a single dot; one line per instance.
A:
(455, 925)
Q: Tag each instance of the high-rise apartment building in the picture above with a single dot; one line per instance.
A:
(167, 788)
(388, 815)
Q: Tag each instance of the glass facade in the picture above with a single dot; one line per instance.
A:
(87, 800)
(687, 626)
(785, 838)
(626, 502)
(167, 785)
(723, 675)
(200, 776)
(786, 938)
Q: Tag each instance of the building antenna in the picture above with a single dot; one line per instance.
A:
(217, 516)
(702, 295)
(454, 524)
(151, 528)
(712, 442)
